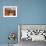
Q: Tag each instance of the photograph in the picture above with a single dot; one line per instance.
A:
(9, 11)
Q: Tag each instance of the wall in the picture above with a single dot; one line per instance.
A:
(7, 25)
(29, 12)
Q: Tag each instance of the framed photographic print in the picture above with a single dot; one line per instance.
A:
(9, 11)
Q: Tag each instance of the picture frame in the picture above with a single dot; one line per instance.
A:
(9, 11)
